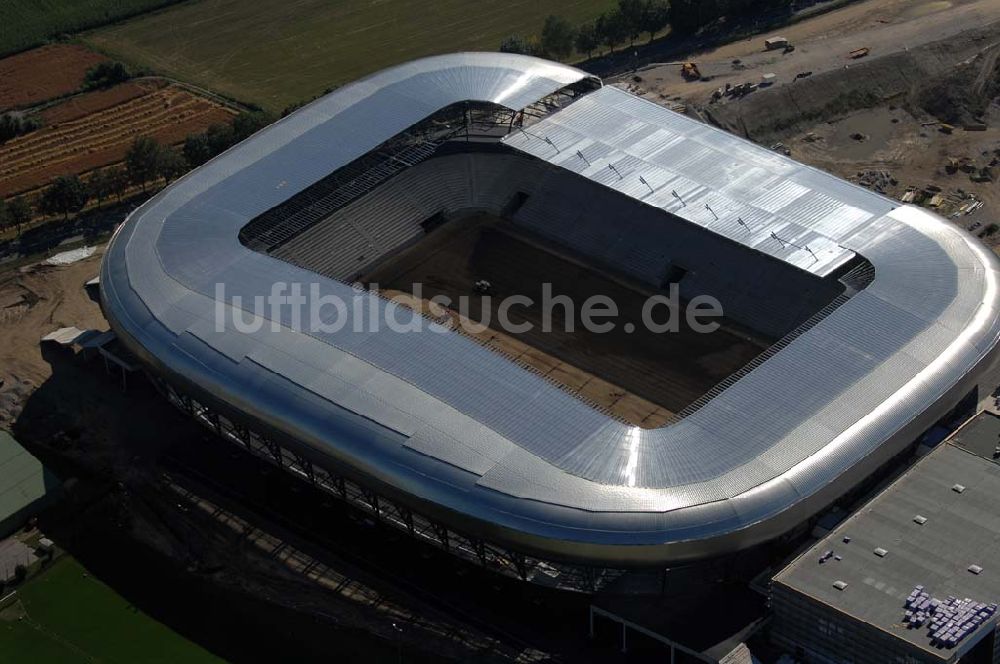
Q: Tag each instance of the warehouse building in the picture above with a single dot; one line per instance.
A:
(911, 578)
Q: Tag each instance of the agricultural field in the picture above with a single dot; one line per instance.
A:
(275, 53)
(28, 23)
(44, 73)
(96, 129)
(64, 616)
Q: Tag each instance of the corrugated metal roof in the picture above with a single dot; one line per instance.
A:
(736, 189)
(541, 464)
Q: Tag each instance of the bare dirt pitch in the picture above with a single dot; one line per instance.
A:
(640, 377)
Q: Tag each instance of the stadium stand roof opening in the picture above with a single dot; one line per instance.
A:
(877, 318)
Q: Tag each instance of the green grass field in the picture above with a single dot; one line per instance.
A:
(66, 617)
(26, 23)
(276, 52)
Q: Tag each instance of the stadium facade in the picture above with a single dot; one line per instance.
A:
(883, 316)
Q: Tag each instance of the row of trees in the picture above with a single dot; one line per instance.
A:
(146, 162)
(199, 148)
(15, 213)
(625, 23)
(629, 20)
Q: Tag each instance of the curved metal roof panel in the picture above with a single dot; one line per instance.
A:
(455, 425)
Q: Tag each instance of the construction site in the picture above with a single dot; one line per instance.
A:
(899, 97)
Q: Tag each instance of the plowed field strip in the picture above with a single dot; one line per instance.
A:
(92, 102)
(102, 138)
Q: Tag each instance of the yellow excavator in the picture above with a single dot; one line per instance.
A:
(689, 71)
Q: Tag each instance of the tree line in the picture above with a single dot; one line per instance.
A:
(629, 20)
(146, 162)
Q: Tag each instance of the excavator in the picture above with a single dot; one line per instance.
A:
(689, 71)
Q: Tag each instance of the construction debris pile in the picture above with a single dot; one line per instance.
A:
(731, 91)
(953, 204)
(879, 181)
(977, 173)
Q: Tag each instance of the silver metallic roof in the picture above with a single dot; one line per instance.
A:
(733, 188)
(456, 425)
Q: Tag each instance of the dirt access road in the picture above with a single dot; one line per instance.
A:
(35, 300)
(821, 44)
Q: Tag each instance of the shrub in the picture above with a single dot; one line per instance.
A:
(106, 74)
(13, 125)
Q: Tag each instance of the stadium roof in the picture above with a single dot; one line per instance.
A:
(736, 189)
(457, 426)
(960, 530)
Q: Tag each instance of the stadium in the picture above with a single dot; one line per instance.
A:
(852, 323)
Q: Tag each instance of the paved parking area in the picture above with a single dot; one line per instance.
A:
(13, 552)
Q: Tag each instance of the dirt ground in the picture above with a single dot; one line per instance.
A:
(610, 369)
(35, 300)
(44, 73)
(822, 44)
(913, 155)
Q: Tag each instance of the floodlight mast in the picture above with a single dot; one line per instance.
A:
(784, 242)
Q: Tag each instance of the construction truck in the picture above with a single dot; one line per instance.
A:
(689, 71)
